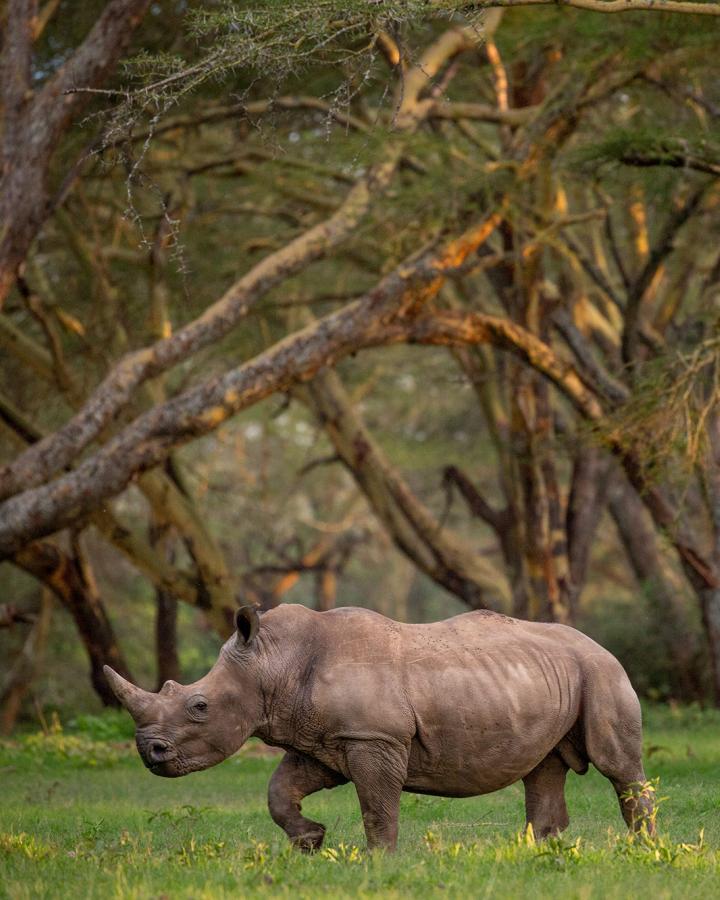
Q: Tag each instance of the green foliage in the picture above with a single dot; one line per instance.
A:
(649, 146)
(277, 40)
(86, 750)
(111, 725)
(667, 416)
(639, 37)
(49, 749)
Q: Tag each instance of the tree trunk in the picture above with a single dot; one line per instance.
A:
(166, 612)
(37, 119)
(70, 579)
(173, 507)
(25, 668)
(639, 539)
(585, 505)
(710, 607)
(166, 648)
(326, 588)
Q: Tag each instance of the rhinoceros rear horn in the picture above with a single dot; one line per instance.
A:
(133, 698)
(247, 622)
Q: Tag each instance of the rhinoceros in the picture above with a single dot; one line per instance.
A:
(455, 708)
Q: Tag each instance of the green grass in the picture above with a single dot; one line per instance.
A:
(83, 819)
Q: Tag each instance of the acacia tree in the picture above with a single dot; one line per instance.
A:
(39, 109)
(467, 226)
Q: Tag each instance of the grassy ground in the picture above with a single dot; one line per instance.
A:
(81, 818)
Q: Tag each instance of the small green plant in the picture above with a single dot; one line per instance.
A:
(650, 850)
(343, 853)
(257, 855)
(526, 837)
(194, 852)
(558, 852)
(180, 814)
(432, 840)
(98, 842)
(26, 845)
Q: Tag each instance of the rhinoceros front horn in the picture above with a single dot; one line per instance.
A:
(133, 698)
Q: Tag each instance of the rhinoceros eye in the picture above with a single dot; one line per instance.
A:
(197, 707)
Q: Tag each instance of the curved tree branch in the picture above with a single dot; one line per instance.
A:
(440, 554)
(59, 449)
(612, 6)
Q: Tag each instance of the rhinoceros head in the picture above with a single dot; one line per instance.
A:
(185, 728)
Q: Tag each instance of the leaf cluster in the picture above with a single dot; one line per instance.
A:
(649, 147)
(667, 416)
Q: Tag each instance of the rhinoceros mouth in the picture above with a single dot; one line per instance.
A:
(173, 767)
(164, 770)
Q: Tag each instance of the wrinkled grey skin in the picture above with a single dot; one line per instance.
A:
(456, 708)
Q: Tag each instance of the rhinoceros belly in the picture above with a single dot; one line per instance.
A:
(484, 723)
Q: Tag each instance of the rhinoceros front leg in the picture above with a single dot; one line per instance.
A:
(545, 807)
(378, 770)
(295, 778)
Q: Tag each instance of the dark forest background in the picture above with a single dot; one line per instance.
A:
(404, 305)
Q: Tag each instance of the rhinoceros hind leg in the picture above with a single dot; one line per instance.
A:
(613, 739)
(545, 807)
(637, 803)
(295, 778)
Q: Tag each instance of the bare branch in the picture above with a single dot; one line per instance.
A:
(675, 158)
(442, 555)
(11, 615)
(483, 112)
(15, 71)
(591, 370)
(611, 6)
(43, 18)
(477, 504)
(662, 248)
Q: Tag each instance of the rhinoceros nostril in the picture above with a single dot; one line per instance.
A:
(157, 750)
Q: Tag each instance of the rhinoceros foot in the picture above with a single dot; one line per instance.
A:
(310, 841)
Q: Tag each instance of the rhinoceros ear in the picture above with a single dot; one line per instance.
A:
(247, 621)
